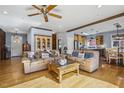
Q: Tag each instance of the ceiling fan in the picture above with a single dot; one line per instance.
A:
(45, 11)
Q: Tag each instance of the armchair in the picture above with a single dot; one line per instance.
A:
(89, 64)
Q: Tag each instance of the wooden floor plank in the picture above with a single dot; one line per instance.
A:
(11, 73)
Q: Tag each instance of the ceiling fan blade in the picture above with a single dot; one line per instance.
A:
(46, 18)
(42, 10)
(55, 15)
(36, 7)
(34, 14)
(49, 8)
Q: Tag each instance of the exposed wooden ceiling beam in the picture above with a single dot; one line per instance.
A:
(42, 28)
(97, 22)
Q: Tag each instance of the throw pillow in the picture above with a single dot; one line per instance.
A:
(62, 62)
(88, 55)
(31, 55)
(45, 55)
(75, 53)
(37, 55)
(81, 55)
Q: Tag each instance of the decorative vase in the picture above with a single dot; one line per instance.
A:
(62, 62)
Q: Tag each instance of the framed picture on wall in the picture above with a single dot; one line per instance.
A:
(91, 42)
(115, 43)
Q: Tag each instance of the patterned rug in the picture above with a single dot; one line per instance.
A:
(74, 81)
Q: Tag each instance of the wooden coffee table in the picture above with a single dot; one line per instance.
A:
(61, 70)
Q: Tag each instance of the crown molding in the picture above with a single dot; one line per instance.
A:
(41, 28)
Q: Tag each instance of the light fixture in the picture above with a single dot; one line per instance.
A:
(16, 29)
(117, 25)
(5, 12)
(53, 32)
(99, 6)
(84, 33)
(16, 37)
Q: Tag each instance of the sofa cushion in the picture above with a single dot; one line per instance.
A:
(75, 53)
(45, 55)
(81, 55)
(31, 55)
(88, 55)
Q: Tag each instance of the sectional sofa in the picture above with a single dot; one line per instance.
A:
(88, 60)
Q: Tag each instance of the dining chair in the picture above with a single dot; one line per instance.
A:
(115, 56)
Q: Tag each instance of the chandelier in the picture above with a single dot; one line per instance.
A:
(118, 37)
(16, 37)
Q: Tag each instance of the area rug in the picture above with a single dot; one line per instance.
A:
(80, 81)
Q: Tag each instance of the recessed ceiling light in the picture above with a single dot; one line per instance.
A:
(99, 6)
(53, 32)
(84, 33)
(5, 12)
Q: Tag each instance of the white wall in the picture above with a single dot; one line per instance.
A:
(33, 32)
(29, 37)
(67, 39)
(63, 37)
(70, 42)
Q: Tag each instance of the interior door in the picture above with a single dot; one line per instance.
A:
(16, 46)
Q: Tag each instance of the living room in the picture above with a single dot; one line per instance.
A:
(48, 43)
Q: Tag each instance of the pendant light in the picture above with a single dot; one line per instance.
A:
(117, 37)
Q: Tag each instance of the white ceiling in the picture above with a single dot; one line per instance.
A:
(102, 27)
(72, 16)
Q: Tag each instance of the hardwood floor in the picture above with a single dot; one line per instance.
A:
(11, 73)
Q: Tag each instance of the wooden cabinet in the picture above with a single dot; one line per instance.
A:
(2, 45)
(43, 42)
(79, 41)
(80, 38)
(83, 38)
(54, 41)
(75, 37)
(38, 43)
(99, 40)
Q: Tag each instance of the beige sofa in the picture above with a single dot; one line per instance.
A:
(89, 64)
(36, 65)
(40, 64)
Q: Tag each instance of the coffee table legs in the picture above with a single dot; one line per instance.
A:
(60, 78)
(60, 75)
(78, 71)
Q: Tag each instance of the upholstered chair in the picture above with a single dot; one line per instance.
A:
(89, 64)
